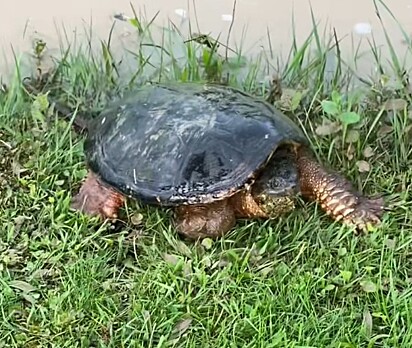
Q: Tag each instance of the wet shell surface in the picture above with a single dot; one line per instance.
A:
(185, 143)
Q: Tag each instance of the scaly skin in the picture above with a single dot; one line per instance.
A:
(97, 199)
(335, 194)
(200, 221)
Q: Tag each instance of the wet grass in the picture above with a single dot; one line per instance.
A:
(301, 281)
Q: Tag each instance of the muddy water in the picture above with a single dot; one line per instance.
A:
(23, 21)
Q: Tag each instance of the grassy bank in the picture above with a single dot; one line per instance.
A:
(67, 280)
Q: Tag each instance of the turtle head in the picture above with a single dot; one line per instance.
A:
(276, 188)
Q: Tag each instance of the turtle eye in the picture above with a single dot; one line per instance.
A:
(275, 183)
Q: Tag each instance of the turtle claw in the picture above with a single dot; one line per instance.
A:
(368, 212)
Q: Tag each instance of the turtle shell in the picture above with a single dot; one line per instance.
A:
(185, 143)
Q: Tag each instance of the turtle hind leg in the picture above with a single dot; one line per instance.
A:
(96, 199)
(211, 220)
(335, 194)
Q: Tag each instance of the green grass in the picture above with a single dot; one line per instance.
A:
(67, 280)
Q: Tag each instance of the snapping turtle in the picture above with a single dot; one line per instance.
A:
(215, 154)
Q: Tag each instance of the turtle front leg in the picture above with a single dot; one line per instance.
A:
(97, 199)
(211, 220)
(335, 194)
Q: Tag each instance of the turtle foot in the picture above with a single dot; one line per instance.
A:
(201, 221)
(336, 195)
(96, 199)
(366, 211)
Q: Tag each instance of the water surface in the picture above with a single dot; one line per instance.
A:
(23, 21)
